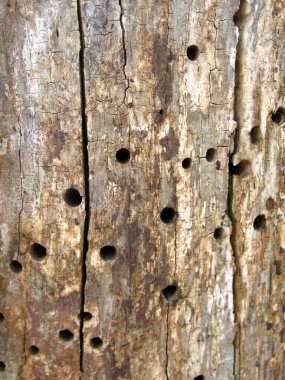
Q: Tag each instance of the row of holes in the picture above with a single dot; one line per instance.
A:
(123, 156)
(169, 294)
(73, 198)
(67, 336)
(108, 252)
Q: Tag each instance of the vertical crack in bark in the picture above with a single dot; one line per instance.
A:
(86, 180)
(19, 237)
(239, 19)
(21, 187)
(166, 344)
(124, 49)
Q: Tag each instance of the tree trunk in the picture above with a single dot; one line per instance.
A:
(142, 189)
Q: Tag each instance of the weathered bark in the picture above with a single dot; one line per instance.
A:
(83, 79)
(259, 249)
(40, 158)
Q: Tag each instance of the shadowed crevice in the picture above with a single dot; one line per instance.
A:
(124, 48)
(240, 19)
(86, 181)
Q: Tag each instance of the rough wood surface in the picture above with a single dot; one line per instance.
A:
(135, 67)
(41, 157)
(259, 253)
(81, 80)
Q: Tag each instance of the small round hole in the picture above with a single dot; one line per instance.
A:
(242, 169)
(211, 155)
(86, 316)
(34, 350)
(193, 52)
(186, 163)
(96, 342)
(38, 252)
(2, 366)
(66, 335)
(219, 233)
(16, 266)
(123, 156)
(72, 197)
(200, 377)
(167, 215)
(170, 293)
(269, 325)
(259, 223)
(279, 116)
(2, 317)
(255, 135)
(108, 252)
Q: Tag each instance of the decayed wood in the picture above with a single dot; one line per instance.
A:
(41, 157)
(117, 73)
(259, 251)
(143, 94)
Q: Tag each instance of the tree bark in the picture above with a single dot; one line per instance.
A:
(142, 189)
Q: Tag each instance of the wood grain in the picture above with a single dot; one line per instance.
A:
(193, 91)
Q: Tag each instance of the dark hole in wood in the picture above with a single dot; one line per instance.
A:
(219, 233)
(16, 266)
(96, 342)
(2, 366)
(259, 223)
(72, 197)
(108, 252)
(211, 154)
(279, 116)
(255, 135)
(167, 215)
(269, 325)
(1, 317)
(186, 163)
(85, 315)
(123, 156)
(200, 377)
(66, 335)
(159, 117)
(34, 350)
(38, 252)
(242, 169)
(170, 292)
(193, 52)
